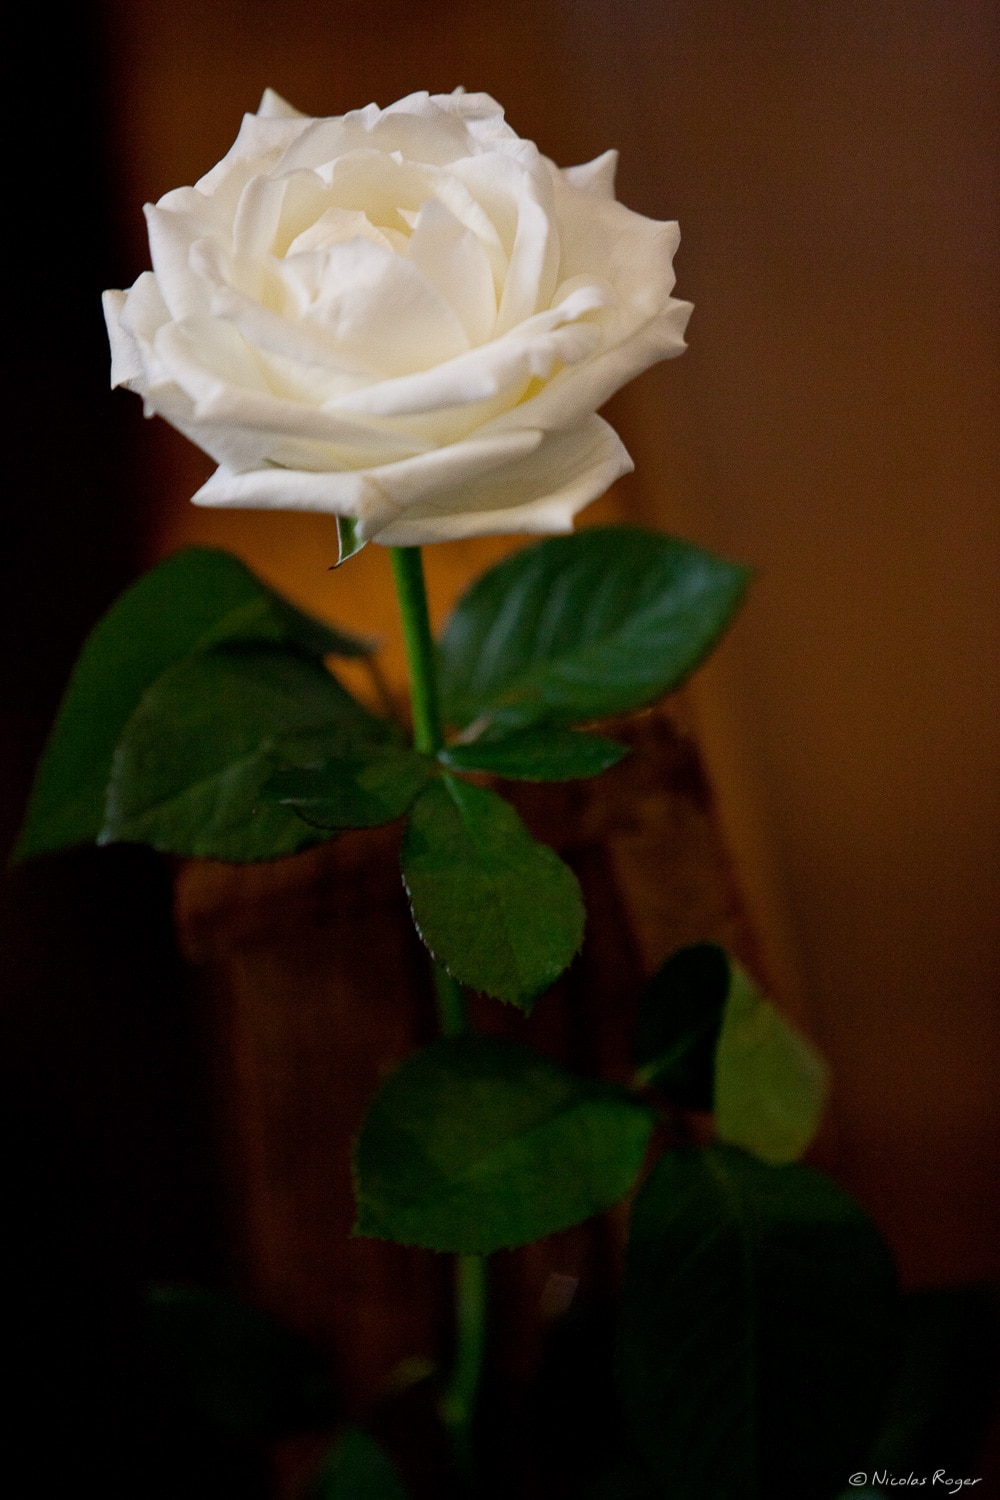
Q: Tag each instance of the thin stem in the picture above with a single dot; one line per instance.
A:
(452, 1016)
(408, 572)
(458, 1403)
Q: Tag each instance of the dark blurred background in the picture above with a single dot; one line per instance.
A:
(835, 173)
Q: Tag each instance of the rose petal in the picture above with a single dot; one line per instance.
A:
(453, 260)
(127, 364)
(377, 307)
(539, 493)
(335, 226)
(172, 231)
(633, 253)
(520, 203)
(586, 387)
(273, 107)
(597, 176)
(459, 201)
(481, 113)
(501, 368)
(140, 317)
(256, 224)
(304, 362)
(373, 496)
(327, 371)
(415, 127)
(247, 426)
(258, 148)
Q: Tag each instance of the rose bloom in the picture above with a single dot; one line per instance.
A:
(406, 317)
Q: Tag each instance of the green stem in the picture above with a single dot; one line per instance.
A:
(421, 657)
(452, 1015)
(458, 1403)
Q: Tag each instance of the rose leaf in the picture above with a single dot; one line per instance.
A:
(360, 790)
(235, 1367)
(476, 1145)
(710, 1040)
(583, 626)
(680, 1018)
(770, 1082)
(188, 602)
(757, 1325)
(190, 767)
(499, 910)
(357, 1468)
(541, 753)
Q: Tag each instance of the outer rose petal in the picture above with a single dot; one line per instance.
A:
(597, 176)
(127, 367)
(373, 495)
(273, 107)
(541, 493)
(584, 387)
(531, 482)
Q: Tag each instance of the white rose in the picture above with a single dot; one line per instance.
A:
(407, 317)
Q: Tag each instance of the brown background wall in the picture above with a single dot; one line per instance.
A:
(834, 169)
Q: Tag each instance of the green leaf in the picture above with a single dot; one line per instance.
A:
(770, 1082)
(499, 910)
(206, 737)
(353, 791)
(538, 754)
(710, 1040)
(357, 1468)
(680, 1018)
(237, 1368)
(188, 602)
(476, 1145)
(583, 626)
(757, 1327)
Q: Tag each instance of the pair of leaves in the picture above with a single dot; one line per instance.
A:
(712, 1041)
(476, 1145)
(757, 1328)
(188, 694)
